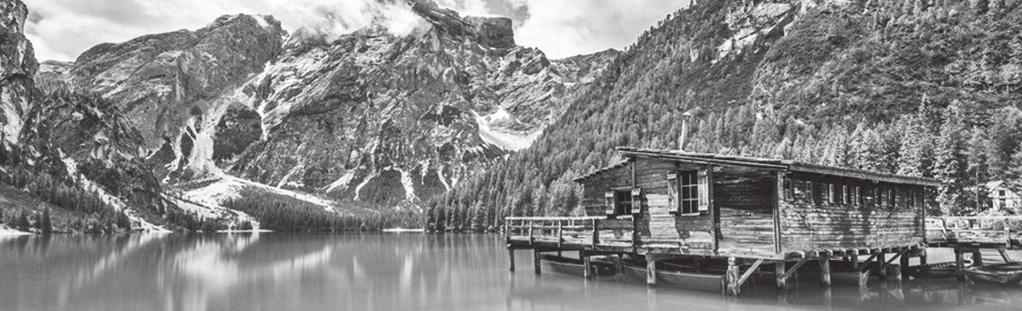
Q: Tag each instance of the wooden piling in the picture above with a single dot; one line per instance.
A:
(536, 260)
(650, 269)
(903, 265)
(587, 265)
(881, 264)
(511, 258)
(779, 268)
(825, 270)
(732, 277)
(977, 257)
(960, 263)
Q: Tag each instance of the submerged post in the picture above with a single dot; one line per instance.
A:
(960, 263)
(535, 259)
(511, 258)
(732, 278)
(587, 265)
(779, 268)
(825, 270)
(650, 269)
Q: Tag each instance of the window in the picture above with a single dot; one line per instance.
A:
(1001, 193)
(789, 193)
(878, 197)
(846, 197)
(892, 198)
(689, 189)
(811, 191)
(619, 202)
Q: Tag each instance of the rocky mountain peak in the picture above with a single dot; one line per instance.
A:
(493, 32)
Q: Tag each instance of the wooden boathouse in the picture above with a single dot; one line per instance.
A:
(741, 213)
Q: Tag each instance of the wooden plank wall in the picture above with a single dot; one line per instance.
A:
(813, 223)
(594, 188)
(744, 199)
(658, 225)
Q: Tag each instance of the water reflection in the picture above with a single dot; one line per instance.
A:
(382, 272)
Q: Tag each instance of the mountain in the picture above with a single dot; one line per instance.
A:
(67, 162)
(896, 86)
(385, 118)
(242, 116)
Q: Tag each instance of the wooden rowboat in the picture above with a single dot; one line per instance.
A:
(943, 270)
(686, 280)
(575, 266)
(1005, 273)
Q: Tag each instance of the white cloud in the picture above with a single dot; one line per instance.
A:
(62, 29)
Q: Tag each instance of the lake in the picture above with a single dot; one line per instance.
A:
(272, 271)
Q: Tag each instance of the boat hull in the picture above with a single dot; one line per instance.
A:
(693, 281)
(1006, 274)
(575, 266)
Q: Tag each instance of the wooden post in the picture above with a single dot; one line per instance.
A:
(922, 258)
(511, 258)
(903, 265)
(587, 265)
(732, 277)
(960, 263)
(560, 235)
(825, 270)
(977, 257)
(596, 232)
(779, 268)
(881, 265)
(535, 260)
(650, 269)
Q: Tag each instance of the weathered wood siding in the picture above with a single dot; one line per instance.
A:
(744, 199)
(810, 221)
(594, 188)
(658, 225)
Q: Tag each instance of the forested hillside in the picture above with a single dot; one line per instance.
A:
(925, 88)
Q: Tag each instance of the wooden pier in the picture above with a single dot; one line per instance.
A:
(724, 221)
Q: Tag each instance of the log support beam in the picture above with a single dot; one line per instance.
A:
(1004, 254)
(733, 280)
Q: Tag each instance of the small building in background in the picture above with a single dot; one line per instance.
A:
(1004, 195)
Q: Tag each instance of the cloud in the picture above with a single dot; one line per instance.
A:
(62, 29)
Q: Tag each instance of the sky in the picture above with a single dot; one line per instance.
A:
(63, 29)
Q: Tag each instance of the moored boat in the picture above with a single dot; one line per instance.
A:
(1005, 273)
(673, 278)
(943, 270)
(575, 266)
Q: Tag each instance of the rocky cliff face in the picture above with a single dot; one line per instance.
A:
(17, 67)
(169, 86)
(382, 118)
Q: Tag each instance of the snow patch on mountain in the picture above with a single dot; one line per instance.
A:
(341, 183)
(505, 139)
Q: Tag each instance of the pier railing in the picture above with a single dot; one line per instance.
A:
(986, 230)
(570, 232)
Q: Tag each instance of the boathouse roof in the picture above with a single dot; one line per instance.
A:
(760, 163)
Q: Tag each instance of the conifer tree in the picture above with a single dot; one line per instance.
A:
(950, 164)
(916, 153)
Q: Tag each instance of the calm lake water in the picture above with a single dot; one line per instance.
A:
(382, 272)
